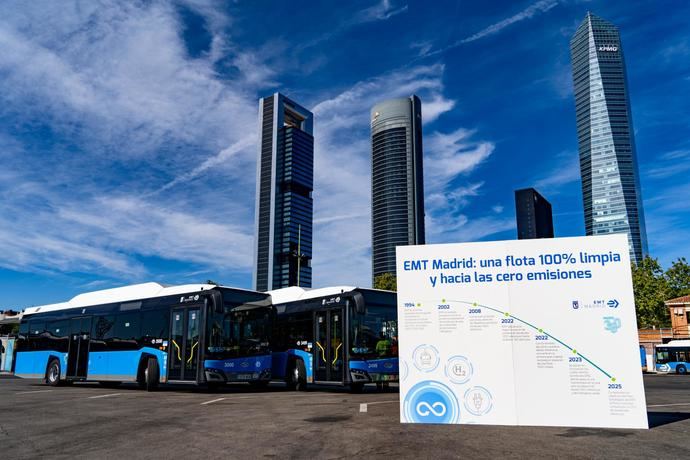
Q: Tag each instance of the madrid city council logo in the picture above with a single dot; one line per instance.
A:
(431, 402)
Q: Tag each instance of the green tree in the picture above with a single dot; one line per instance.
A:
(386, 281)
(212, 282)
(678, 278)
(651, 290)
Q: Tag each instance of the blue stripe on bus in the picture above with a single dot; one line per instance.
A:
(31, 364)
(116, 364)
(124, 364)
(379, 366)
(671, 366)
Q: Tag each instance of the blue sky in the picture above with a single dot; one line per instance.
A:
(128, 130)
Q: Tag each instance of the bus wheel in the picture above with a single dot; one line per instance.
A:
(151, 374)
(297, 376)
(356, 387)
(53, 373)
(681, 369)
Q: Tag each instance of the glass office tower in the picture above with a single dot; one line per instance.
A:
(397, 180)
(610, 180)
(284, 185)
(533, 215)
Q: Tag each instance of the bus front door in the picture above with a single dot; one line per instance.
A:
(329, 347)
(78, 352)
(184, 343)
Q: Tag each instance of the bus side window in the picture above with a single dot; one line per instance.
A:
(102, 333)
(299, 331)
(127, 331)
(155, 324)
(23, 337)
(57, 336)
(36, 335)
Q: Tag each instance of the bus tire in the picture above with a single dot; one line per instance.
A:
(297, 376)
(151, 374)
(356, 387)
(53, 373)
(681, 369)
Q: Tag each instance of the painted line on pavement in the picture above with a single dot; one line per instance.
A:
(104, 396)
(363, 407)
(384, 402)
(669, 405)
(30, 392)
(212, 401)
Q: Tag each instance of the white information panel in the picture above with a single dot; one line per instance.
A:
(529, 332)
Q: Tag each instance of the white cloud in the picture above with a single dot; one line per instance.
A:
(383, 10)
(542, 6)
(131, 112)
(539, 7)
(567, 170)
(119, 74)
(450, 154)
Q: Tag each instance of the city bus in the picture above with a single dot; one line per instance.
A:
(338, 335)
(149, 334)
(673, 357)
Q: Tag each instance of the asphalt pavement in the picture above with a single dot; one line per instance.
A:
(90, 421)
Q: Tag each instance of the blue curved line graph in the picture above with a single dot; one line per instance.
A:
(540, 330)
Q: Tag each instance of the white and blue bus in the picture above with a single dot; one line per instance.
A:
(339, 335)
(149, 334)
(673, 357)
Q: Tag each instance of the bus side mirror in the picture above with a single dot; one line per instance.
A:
(360, 306)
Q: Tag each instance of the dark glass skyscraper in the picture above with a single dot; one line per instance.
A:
(284, 185)
(610, 180)
(533, 214)
(397, 180)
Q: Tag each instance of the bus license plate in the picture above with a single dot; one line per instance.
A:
(244, 376)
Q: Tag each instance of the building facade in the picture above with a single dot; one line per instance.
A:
(533, 215)
(284, 185)
(608, 165)
(397, 180)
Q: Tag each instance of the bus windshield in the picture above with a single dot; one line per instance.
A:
(374, 334)
(242, 330)
(662, 356)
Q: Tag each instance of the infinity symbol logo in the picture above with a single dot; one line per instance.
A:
(424, 409)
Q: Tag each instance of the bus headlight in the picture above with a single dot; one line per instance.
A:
(265, 374)
(359, 375)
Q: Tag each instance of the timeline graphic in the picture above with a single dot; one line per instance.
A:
(476, 309)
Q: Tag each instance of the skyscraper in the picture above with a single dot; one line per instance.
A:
(610, 180)
(284, 185)
(397, 180)
(533, 215)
